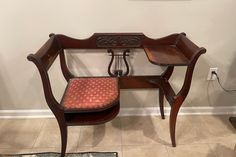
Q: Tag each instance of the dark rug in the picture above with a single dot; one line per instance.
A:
(51, 154)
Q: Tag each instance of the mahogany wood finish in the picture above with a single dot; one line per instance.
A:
(170, 51)
(166, 55)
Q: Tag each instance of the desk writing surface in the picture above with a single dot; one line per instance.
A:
(166, 55)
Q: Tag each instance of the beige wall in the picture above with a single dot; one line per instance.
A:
(25, 25)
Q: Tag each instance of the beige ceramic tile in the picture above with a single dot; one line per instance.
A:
(117, 149)
(20, 133)
(216, 122)
(185, 131)
(133, 130)
(224, 149)
(212, 129)
(145, 151)
(108, 134)
(156, 131)
(199, 129)
(208, 136)
(143, 130)
(153, 130)
(51, 123)
(50, 136)
(201, 150)
(15, 151)
(189, 130)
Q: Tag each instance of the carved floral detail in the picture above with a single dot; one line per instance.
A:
(119, 41)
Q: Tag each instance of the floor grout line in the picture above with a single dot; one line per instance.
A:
(41, 128)
(215, 153)
(167, 151)
(80, 132)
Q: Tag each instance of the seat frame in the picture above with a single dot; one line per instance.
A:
(43, 59)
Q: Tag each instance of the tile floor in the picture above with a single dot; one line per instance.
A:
(197, 136)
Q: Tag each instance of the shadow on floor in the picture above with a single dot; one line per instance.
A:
(223, 151)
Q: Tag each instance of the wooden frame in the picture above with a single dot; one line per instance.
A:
(170, 51)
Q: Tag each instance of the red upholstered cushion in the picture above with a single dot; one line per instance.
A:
(88, 94)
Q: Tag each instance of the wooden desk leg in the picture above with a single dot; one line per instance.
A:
(161, 98)
(180, 97)
(64, 132)
(166, 74)
(173, 117)
(233, 121)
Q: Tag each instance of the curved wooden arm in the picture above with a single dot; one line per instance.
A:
(43, 59)
(52, 102)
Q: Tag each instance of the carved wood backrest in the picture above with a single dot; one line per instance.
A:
(128, 40)
(47, 54)
(109, 41)
(57, 43)
(114, 41)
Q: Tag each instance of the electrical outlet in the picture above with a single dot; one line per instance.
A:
(212, 77)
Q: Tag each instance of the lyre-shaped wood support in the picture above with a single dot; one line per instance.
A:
(117, 57)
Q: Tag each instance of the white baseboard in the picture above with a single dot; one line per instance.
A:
(40, 113)
(146, 111)
(183, 111)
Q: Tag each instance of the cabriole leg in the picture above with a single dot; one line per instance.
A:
(63, 129)
(161, 105)
(180, 97)
(173, 118)
(166, 74)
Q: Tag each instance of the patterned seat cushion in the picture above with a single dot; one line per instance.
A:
(91, 94)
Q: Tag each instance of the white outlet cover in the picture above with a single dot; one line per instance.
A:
(211, 77)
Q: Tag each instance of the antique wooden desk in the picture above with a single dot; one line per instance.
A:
(170, 51)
